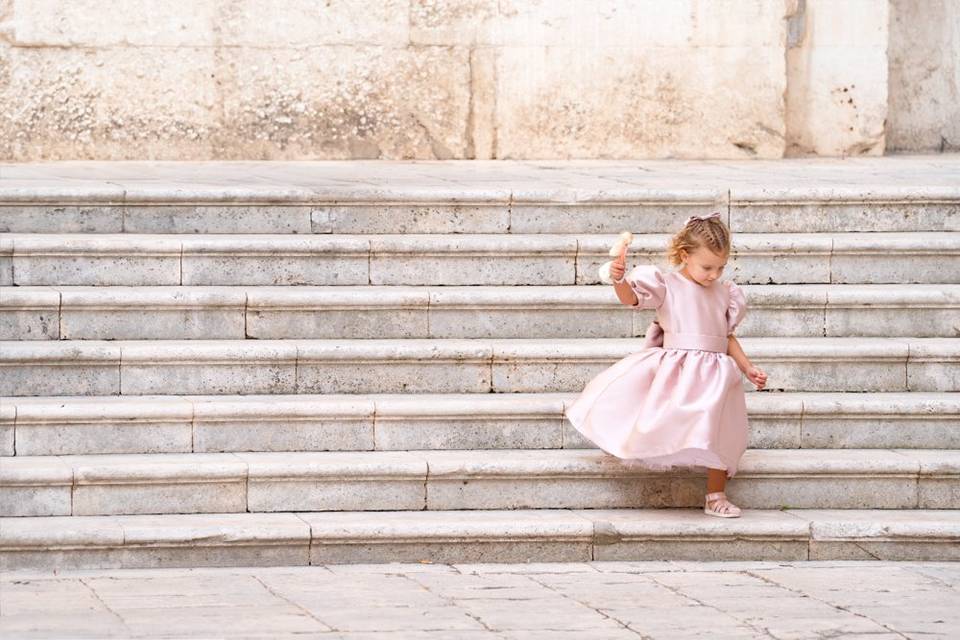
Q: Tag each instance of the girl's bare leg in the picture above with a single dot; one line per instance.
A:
(719, 505)
(716, 480)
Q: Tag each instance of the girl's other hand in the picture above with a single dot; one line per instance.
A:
(757, 376)
(619, 265)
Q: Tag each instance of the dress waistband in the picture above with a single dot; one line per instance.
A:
(694, 341)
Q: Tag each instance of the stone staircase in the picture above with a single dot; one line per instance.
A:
(258, 364)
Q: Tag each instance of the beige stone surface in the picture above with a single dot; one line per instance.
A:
(211, 218)
(8, 413)
(121, 313)
(629, 102)
(29, 313)
(238, 79)
(359, 102)
(215, 22)
(113, 102)
(924, 62)
(85, 23)
(282, 423)
(59, 368)
(492, 311)
(340, 481)
(6, 261)
(35, 487)
(801, 195)
(836, 98)
(576, 600)
(79, 425)
(208, 366)
(95, 259)
(619, 79)
(274, 259)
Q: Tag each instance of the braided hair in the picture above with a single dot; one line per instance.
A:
(699, 232)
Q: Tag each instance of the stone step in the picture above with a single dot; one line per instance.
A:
(291, 539)
(58, 425)
(371, 311)
(224, 367)
(439, 259)
(798, 195)
(474, 479)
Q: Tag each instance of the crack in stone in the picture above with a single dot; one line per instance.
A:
(576, 262)
(470, 151)
(906, 369)
(449, 600)
(294, 603)
(680, 593)
(603, 614)
(369, 262)
(105, 605)
(15, 409)
(935, 579)
(867, 551)
(246, 313)
(804, 594)
(426, 479)
(826, 305)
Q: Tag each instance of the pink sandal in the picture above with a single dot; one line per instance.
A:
(722, 508)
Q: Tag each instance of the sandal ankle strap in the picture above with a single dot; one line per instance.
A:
(716, 496)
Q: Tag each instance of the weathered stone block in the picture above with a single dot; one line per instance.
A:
(836, 97)
(283, 423)
(464, 423)
(272, 260)
(342, 481)
(215, 218)
(364, 101)
(402, 366)
(32, 486)
(61, 218)
(66, 102)
(338, 313)
(494, 259)
(94, 426)
(36, 368)
(630, 101)
(169, 483)
(29, 313)
(473, 536)
(208, 366)
(174, 313)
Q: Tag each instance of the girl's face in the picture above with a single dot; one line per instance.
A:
(703, 265)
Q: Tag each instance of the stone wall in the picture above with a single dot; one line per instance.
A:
(337, 79)
(837, 78)
(924, 75)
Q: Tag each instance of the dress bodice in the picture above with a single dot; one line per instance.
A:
(685, 307)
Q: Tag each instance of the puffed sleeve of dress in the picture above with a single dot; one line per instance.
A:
(648, 284)
(737, 308)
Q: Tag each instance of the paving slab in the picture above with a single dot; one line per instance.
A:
(594, 599)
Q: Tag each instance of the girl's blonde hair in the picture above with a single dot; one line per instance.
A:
(705, 231)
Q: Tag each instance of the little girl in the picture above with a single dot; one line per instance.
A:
(682, 403)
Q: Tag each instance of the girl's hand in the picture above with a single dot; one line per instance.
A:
(619, 265)
(757, 376)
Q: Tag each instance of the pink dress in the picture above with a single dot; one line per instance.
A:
(680, 404)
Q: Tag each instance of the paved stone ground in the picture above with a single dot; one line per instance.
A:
(582, 601)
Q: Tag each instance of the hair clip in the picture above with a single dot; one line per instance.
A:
(715, 214)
